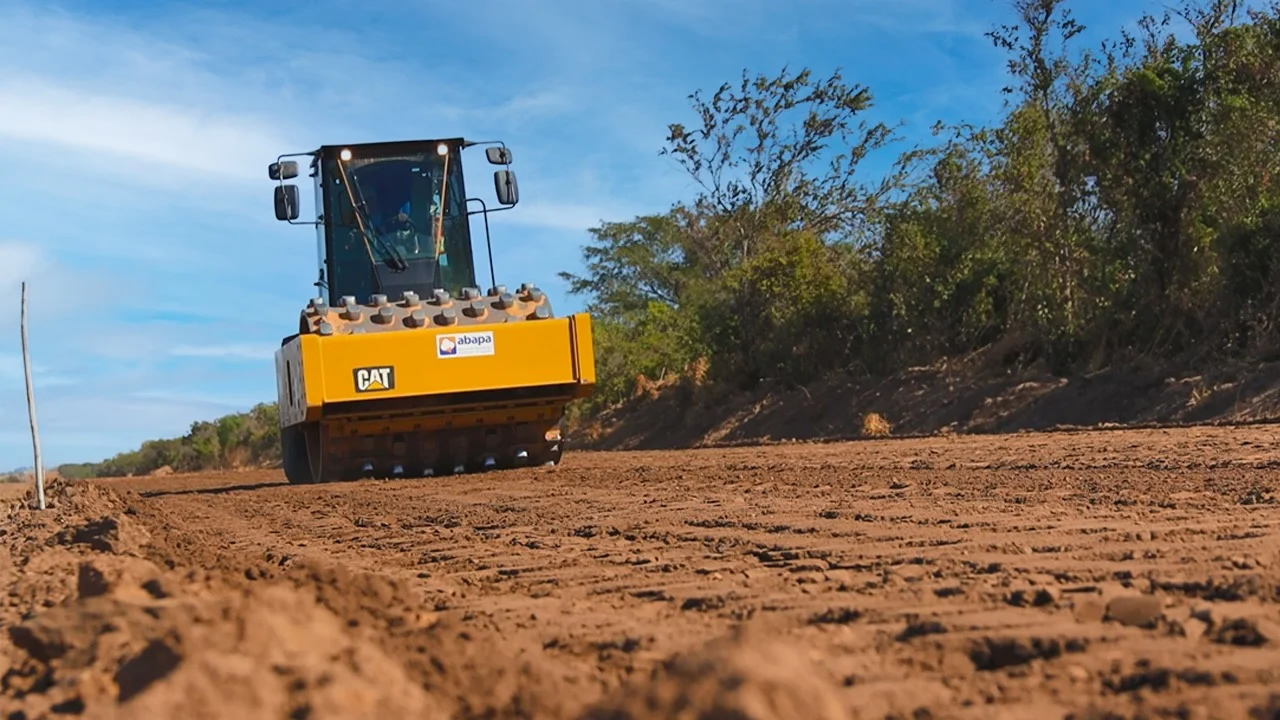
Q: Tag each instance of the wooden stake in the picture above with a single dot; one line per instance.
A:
(31, 403)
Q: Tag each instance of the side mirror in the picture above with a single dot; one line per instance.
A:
(498, 155)
(286, 170)
(286, 202)
(504, 182)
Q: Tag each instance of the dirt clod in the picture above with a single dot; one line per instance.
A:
(1246, 632)
(728, 679)
(1039, 597)
(998, 653)
(1135, 610)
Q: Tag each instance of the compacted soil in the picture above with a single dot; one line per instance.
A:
(1089, 575)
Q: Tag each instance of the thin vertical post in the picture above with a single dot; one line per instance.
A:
(31, 403)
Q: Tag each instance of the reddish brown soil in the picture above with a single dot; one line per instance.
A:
(1086, 575)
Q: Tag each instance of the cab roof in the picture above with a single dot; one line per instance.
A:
(393, 146)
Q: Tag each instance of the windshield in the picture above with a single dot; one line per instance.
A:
(384, 216)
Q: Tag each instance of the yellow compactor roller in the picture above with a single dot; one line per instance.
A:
(402, 365)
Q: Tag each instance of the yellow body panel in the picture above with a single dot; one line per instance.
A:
(315, 371)
(584, 351)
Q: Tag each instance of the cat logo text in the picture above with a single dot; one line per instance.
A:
(375, 379)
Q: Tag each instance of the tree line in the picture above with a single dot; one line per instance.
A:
(1125, 206)
(234, 441)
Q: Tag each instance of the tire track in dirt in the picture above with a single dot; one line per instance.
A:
(1135, 573)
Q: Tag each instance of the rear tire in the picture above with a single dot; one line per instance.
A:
(293, 451)
(306, 461)
(553, 453)
(324, 466)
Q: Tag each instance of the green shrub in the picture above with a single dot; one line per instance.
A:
(238, 440)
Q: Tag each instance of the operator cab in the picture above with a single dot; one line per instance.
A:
(392, 217)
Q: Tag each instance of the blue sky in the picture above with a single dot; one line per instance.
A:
(134, 140)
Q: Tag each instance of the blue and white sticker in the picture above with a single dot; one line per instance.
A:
(471, 344)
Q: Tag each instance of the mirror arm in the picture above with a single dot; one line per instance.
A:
(500, 208)
(473, 143)
(280, 159)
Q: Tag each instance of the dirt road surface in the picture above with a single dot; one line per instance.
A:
(1085, 575)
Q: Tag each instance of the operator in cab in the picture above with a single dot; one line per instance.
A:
(391, 219)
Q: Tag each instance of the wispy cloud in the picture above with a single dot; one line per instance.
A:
(569, 216)
(227, 352)
(540, 102)
(225, 402)
(916, 17)
(17, 262)
(204, 141)
(13, 374)
(55, 290)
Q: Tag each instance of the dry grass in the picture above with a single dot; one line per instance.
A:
(239, 457)
(874, 425)
(646, 388)
(697, 371)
